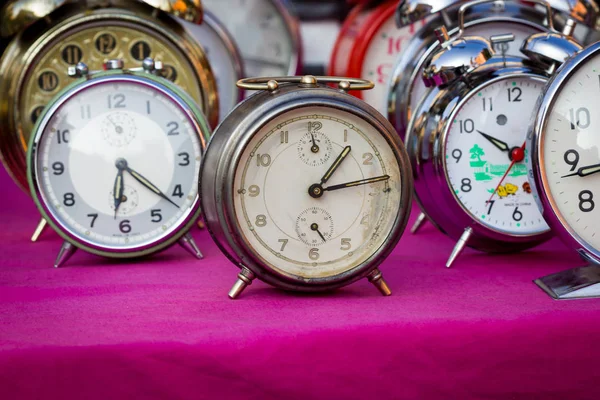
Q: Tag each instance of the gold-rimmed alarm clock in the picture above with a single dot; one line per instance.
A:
(47, 37)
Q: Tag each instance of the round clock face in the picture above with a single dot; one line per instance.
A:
(485, 156)
(385, 47)
(94, 43)
(570, 153)
(317, 192)
(262, 34)
(487, 29)
(117, 165)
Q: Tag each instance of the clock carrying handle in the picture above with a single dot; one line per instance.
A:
(272, 83)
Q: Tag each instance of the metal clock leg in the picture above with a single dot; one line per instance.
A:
(245, 278)
(66, 251)
(460, 246)
(421, 219)
(376, 278)
(41, 226)
(577, 283)
(189, 244)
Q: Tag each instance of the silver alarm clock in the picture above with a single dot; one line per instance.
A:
(114, 161)
(305, 186)
(466, 138)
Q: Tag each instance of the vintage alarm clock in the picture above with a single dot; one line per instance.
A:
(266, 33)
(564, 164)
(46, 37)
(482, 18)
(467, 139)
(224, 57)
(114, 161)
(304, 186)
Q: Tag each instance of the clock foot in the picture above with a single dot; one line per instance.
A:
(576, 283)
(376, 278)
(189, 244)
(460, 246)
(421, 219)
(244, 279)
(39, 230)
(66, 251)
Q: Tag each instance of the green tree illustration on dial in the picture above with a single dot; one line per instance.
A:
(485, 155)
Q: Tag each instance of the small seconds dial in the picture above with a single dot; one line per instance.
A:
(485, 156)
(118, 164)
(317, 219)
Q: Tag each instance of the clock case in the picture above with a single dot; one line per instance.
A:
(221, 161)
(34, 31)
(72, 242)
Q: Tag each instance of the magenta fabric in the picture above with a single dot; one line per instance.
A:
(164, 328)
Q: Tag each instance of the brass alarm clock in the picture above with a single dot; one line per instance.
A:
(46, 37)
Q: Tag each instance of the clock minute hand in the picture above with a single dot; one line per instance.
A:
(146, 183)
(336, 164)
(357, 183)
(585, 171)
(496, 142)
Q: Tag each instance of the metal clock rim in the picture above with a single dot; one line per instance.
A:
(183, 102)
(546, 103)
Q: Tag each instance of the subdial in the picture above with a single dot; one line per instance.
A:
(129, 201)
(118, 129)
(314, 226)
(314, 148)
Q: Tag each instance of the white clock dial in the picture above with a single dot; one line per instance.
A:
(261, 32)
(387, 45)
(570, 153)
(486, 30)
(118, 165)
(485, 158)
(335, 228)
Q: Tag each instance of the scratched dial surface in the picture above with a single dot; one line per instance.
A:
(261, 32)
(97, 201)
(308, 235)
(93, 44)
(570, 153)
(481, 137)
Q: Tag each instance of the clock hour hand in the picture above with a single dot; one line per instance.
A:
(496, 142)
(336, 164)
(146, 183)
(585, 171)
(357, 183)
(118, 189)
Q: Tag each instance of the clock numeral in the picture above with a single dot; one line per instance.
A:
(35, 114)
(93, 217)
(48, 81)
(345, 244)
(116, 100)
(572, 158)
(514, 94)
(491, 203)
(72, 54)
(365, 219)
(261, 220)
(254, 191)
(487, 103)
(394, 45)
(579, 118)
(284, 137)
(148, 108)
(586, 201)
(58, 168)
(86, 112)
(106, 43)
(125, 226)
(140, 50)
(466, 126)
(173, 128)
(263, 160)
(69, 199)
(314, 126)
(169, 72)
(177, 191)
(466, 185)
(284, 243)
(63, 136)
(457, 154)
(156, 215)
(517, 215)
(368, 159)
(313, 254)
(345, 135)
(186, 159)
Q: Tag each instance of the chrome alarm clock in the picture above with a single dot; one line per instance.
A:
(114, 161)
(565, 162)
(481, 18)
(47, 37)
(304, 186)
(267, 34)
(466, 138)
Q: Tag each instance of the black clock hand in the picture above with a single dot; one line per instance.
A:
(336, 164)
(496, 142)
(585, 171)
(146, 183)
(357, 183)
(315, 228)
(314, 148)
(118, 189)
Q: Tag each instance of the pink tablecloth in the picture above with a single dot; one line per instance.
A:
(164, 327)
